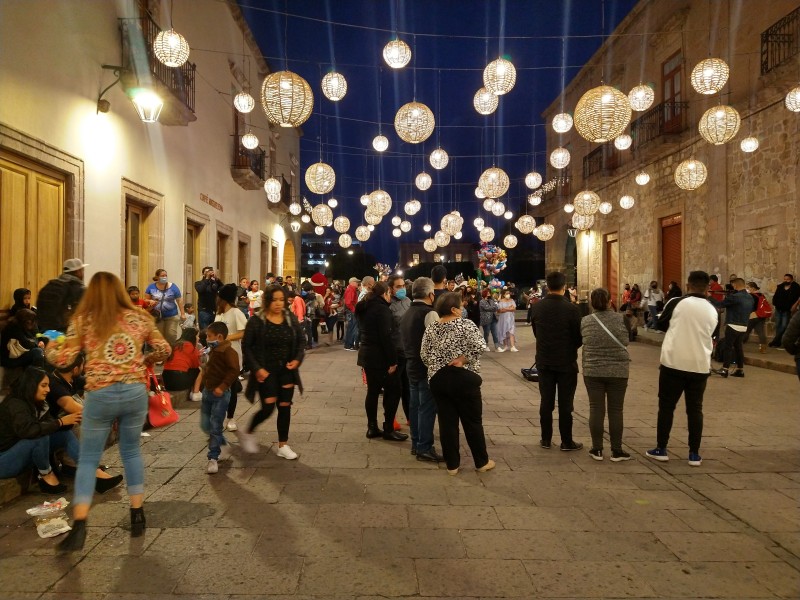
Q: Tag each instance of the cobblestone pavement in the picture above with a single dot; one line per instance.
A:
(358, 518)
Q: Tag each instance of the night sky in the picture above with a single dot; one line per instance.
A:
(451, 43)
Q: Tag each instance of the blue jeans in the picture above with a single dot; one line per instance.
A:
(245, 312)
(24, 454)
(205, 318)
(212, 415)
(67, 440)
(653, 316)
(491, 327)
(351, 331)
(781, 322)
(127, 404)
(422, 415)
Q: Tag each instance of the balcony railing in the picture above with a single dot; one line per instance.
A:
(604, 159)
(780, 42)
(662, 119)
(249, 159)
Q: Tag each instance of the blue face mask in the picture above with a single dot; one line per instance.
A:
(303, 292)
(162, 280)
(400, 294)
(213, 343)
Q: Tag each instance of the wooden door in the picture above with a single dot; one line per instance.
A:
(192, 271)
(222, 257)
(612, 267)
(242, 260)
(136, 267)
(671, 251)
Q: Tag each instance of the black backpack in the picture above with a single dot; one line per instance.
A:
(55, 303)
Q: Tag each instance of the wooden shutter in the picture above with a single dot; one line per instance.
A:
(671, 251)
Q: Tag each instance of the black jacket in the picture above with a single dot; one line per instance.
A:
(207, 294)
(785, 299)
(255, 344)
(412, 328)
(375, 327)
(791, 336)
(20, 420)
(15, 331)
(556, 324)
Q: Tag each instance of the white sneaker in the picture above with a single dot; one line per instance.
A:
(499, 349)
(196, 397)
(212, 467)
(514, 349)
(248, 442)
(225, 452)
(232, 426)
(286, 452)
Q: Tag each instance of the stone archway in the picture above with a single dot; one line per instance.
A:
(289, 259)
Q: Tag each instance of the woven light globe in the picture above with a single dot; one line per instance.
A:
(423, 181)
(371, 227)
(396, 220)
(494, 182)
(559, 158)
(526, 224)
(430, 245)
(545, 231)
(508, 215)
(396, 232)
(602, 114)
(485, 102)
(451, 223)
(334, 86)
(479, 193)
(341, 224)
(295, 226)
(274, 198)
(709, 76)
(478, 223)
(320, 178)
(244, 102)
(719, 124)
(287, 99)
(498, 208)
(333, 202)
(345, 241)
(405, 226)
(569, 208)
(510, 241)
(295, 208)
(414, 122)
(582, 222)
(586, 202)
(397, 54)
(486, 234)
(412, 207)
(749, 144)
(690, 174)
(792, 99)
(623, 142)
(439, 158)
(533, 180)
(499, 76)
(249, 140)
(488, 204)
(562, 122)
(319, 230)
(641, 97)
(372, 218)
(272, 186)
(380, 202)
(305, 218)
(362, 233)
(605, 207)
(322, 215)
(626, 202)
(364, 200)
(642, 178)
(458, 235)
(441, 239)
(171, 48)
(427, 227)
(380, 143)
(534, 199)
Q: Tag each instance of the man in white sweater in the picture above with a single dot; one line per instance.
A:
(689, 322)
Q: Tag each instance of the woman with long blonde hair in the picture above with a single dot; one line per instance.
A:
(111, 332)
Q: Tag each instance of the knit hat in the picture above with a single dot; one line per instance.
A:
(228, 293)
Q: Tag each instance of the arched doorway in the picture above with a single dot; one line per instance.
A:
(289, 259)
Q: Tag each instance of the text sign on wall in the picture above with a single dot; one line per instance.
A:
(211, 202)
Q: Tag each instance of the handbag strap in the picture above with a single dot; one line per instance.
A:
(611, 335)
(151, 375)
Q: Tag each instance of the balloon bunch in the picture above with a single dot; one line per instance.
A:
(472, 282)
(491, 260)
(385, 270)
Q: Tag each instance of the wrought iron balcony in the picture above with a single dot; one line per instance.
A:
(663, 119)
(780, 42)
(603, 159)
(247, 166)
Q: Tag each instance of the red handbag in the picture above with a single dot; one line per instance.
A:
(160, 412)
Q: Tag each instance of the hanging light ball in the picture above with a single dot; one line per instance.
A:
(719, 124)
(479, 193)
(510, 241)
(333, 202)
(562, 122)
(430, 245)
(295, 226)
(533, 180)
(320, 178)
(341, 224)
(372, 218)
(244, 102)
(439, 159)
(345, 241)
(626, 202)
(371, 227)
(452, 223)
(486, 234)
(485, 102)
(249, 140)
(569, 208)
(642, 178)
(586, 203)
(582, 222)
(171, 48)
(362, 233)
(641, 97)
(322, 215)
(405, 226)
(305, 218)
(488, 204)
(498, 208)
(397, 54)
(605, 207)
(623, 142)
(559, 158)
(602, 114)
(396, 232)
(380, 143)
(478, 223)
(535, 199)
(319, 230)
(792, 100)
(508, 215)
(709, 76)
(545, 231)
(295, 208)
(334, 86)
(749, 144)
(494, 182)
(287, 99)
(272, 186)
(423, 181)
(499, 76)
(458, 235)
(526, 224)
(380, 203)
(414, 122)
(441, 239)
(365, 200)
(427, 227)
(412, 207)
(690, 174)
(396, 220)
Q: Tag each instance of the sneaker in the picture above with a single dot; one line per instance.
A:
(248, 442)
(738, 373)
(487, 467)
(225, 452)
(232, 426)
(695, 460)
(452, 471)
(212, 467)
(571, 446)
(196, 397)
(286, 452)
(514, 349)
(596, 453)
(619, 455)
(545, 444)
(721, 372)
(500, 349)
(659, 454)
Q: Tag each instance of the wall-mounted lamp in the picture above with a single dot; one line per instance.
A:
(572, 232)
(147, 103)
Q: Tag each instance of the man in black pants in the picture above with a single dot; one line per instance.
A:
(207, 289)
(556, 324)
(738, 306)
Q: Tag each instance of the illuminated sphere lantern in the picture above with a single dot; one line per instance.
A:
(488, 204)
(396, 220)
(333, 202)
(430, 245)
(412, 207)
(423, 181)
(526, 224)
(380, 143)
(605, 207)
(749, 144)
(439, 158)
(486, 234)
(372, 218)
(305, 218)
(427, 228)
(319, 230)
(272, 186)
(452, 223)
(586, 203)
(562, 123)
(334, 86)
(397, 54)
(364, 200)
(508, 215)
(499, 76)
(533, 180)
(414, 122)
(405, 226)
(623, 142)
(641, 97)
(458, 235)
(626, 202)
(602, 114)
(559, 158)
(478, 223)
(494, 182)
(249, 140)
(569, 208)
(582, 222)
(485, 102)
(396, 232)
(171, 48)
(792, 99)
(362, 233)
(287, 99)
(244, 102)
(479, 193)
(441, 238)
(534, 199)
(345, 241)
(295, 208)
(719, 124)
(380, 203)
(510, 241)
(370, 227)
(690, 174)
(545, 231)
(320, 178)
(709, 76)
(341, 224)
(642, 178)
(322, 215)
(498, 208)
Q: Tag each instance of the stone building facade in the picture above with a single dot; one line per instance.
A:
(744, 218)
